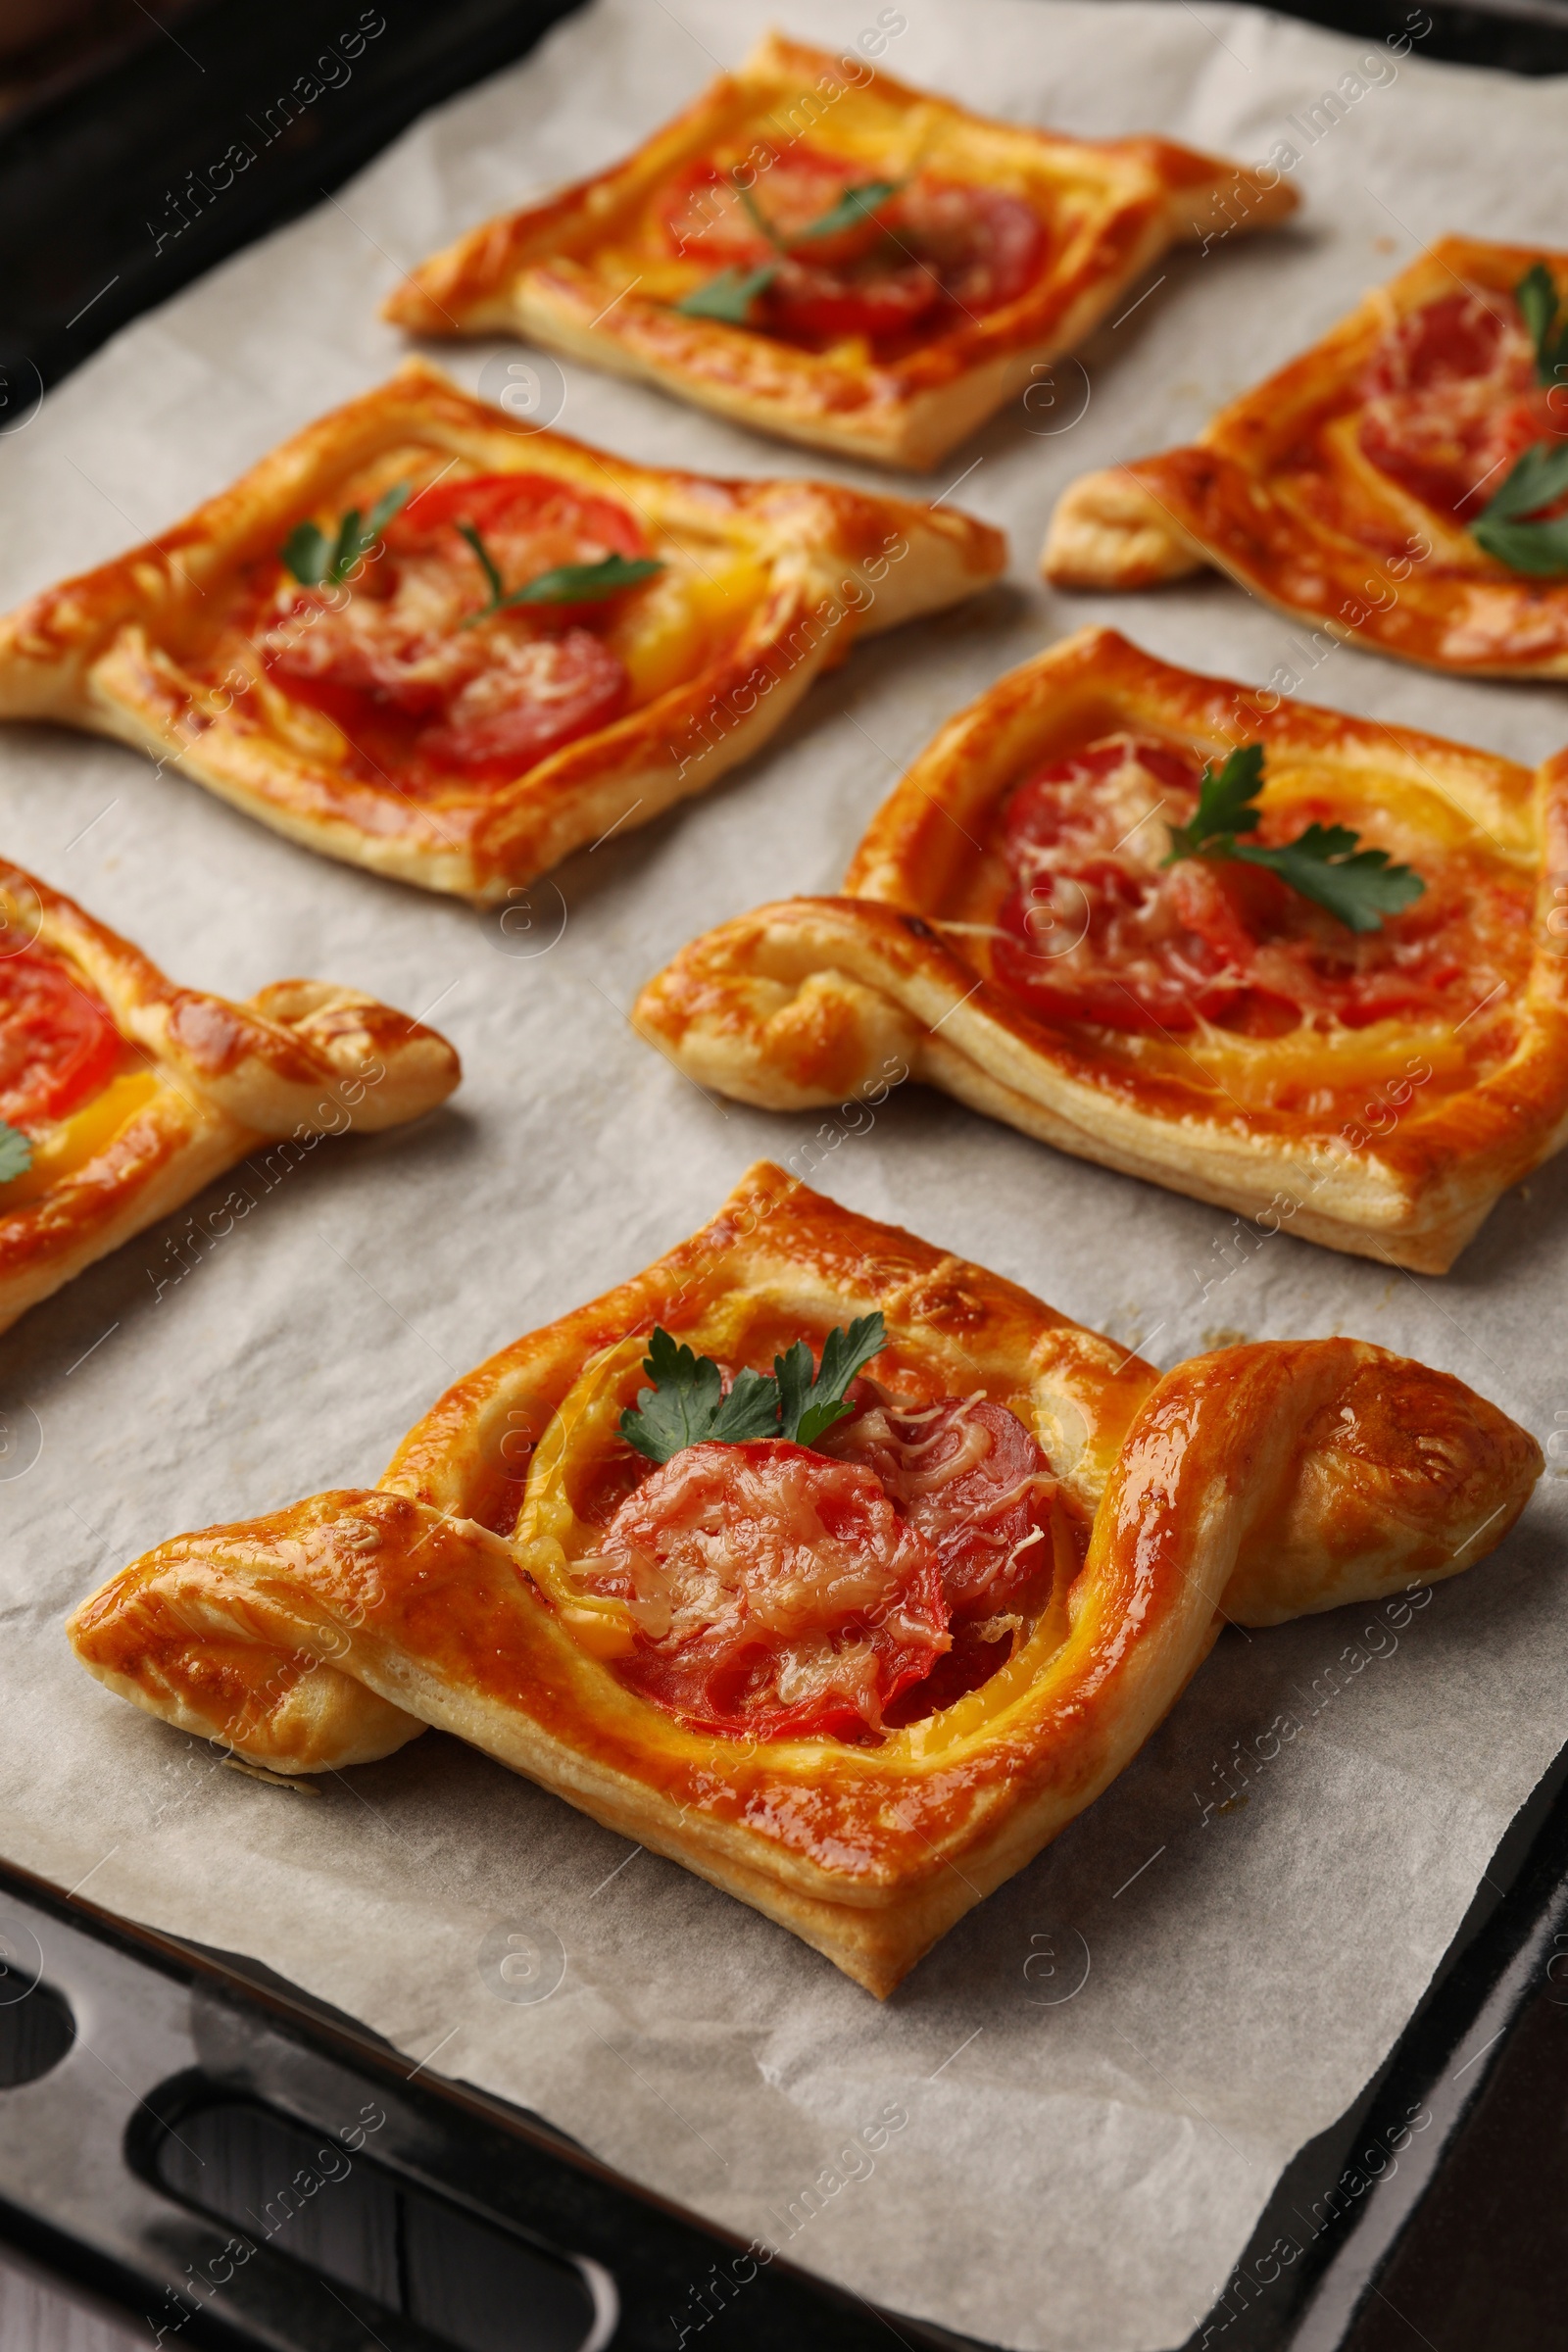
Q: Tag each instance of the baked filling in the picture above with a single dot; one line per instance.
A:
(69, 1083)
(764, 1589)
(817, 253)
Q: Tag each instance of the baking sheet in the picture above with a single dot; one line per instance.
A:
(1060, 2131)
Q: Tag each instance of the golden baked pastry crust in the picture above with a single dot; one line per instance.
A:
(1277, 493)
(816, 1000)
(204, 1083)
(120, 650)
(1256, 1483)
(567, 272)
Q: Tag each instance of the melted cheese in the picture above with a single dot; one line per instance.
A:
(738, 1541)
(551, 1541)
(682, 618)
(70, 1145)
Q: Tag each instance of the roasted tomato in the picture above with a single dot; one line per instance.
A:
(1094, 928)
(967, 1475)
(929, 255)
(985, 246)
(880, 301)
(57, 1041)
(777, 1592)
(537, 694)
(530, 522)
(1451, 401)
(401, 660)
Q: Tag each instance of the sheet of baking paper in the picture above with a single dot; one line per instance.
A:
(1064, 2126)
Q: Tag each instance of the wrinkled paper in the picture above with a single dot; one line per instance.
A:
(1060, 2131)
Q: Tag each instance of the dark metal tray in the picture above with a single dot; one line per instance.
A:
(191, 2142)
(157, 2101)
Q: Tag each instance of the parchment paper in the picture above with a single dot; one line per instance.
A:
(1082, 2157)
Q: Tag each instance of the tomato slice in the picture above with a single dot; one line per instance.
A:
(932, 253)
(1451, 401)
(404, 667)
(813, 305)
(1089, 928)
(1094, 928)
(58, 1043)
(985, 246)
(777, 1593)
(707, 218)
(791, 1592)
(538, 520)
(969, 1476)
(539, 694)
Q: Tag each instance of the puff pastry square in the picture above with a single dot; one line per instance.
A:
(1344, 488)
(1003, 246)
(1375, 1093)
(371, 719)
(1256, 1483)
(133, 1093)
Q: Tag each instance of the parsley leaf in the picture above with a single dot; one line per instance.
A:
(1224, 807)
(568, 584)
(1538, 479)
(808, 1407)
(1536, 297)
(317, 561)
(1324, 864)
(586, 583)
(729, 296)
(15, 1153)
(495, 584)
(855, 205)
(687, 1405)
(687, 1402)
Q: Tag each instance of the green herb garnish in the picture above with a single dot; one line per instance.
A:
(686, 1405)
(1324, 864)
(568, 584)
(1540, 476)
(1536, 297)
(1538, 479)
(317, 561)
(757, 218)
(1225, 797)
(15, 1153)
(855, 205)
(730, 295)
